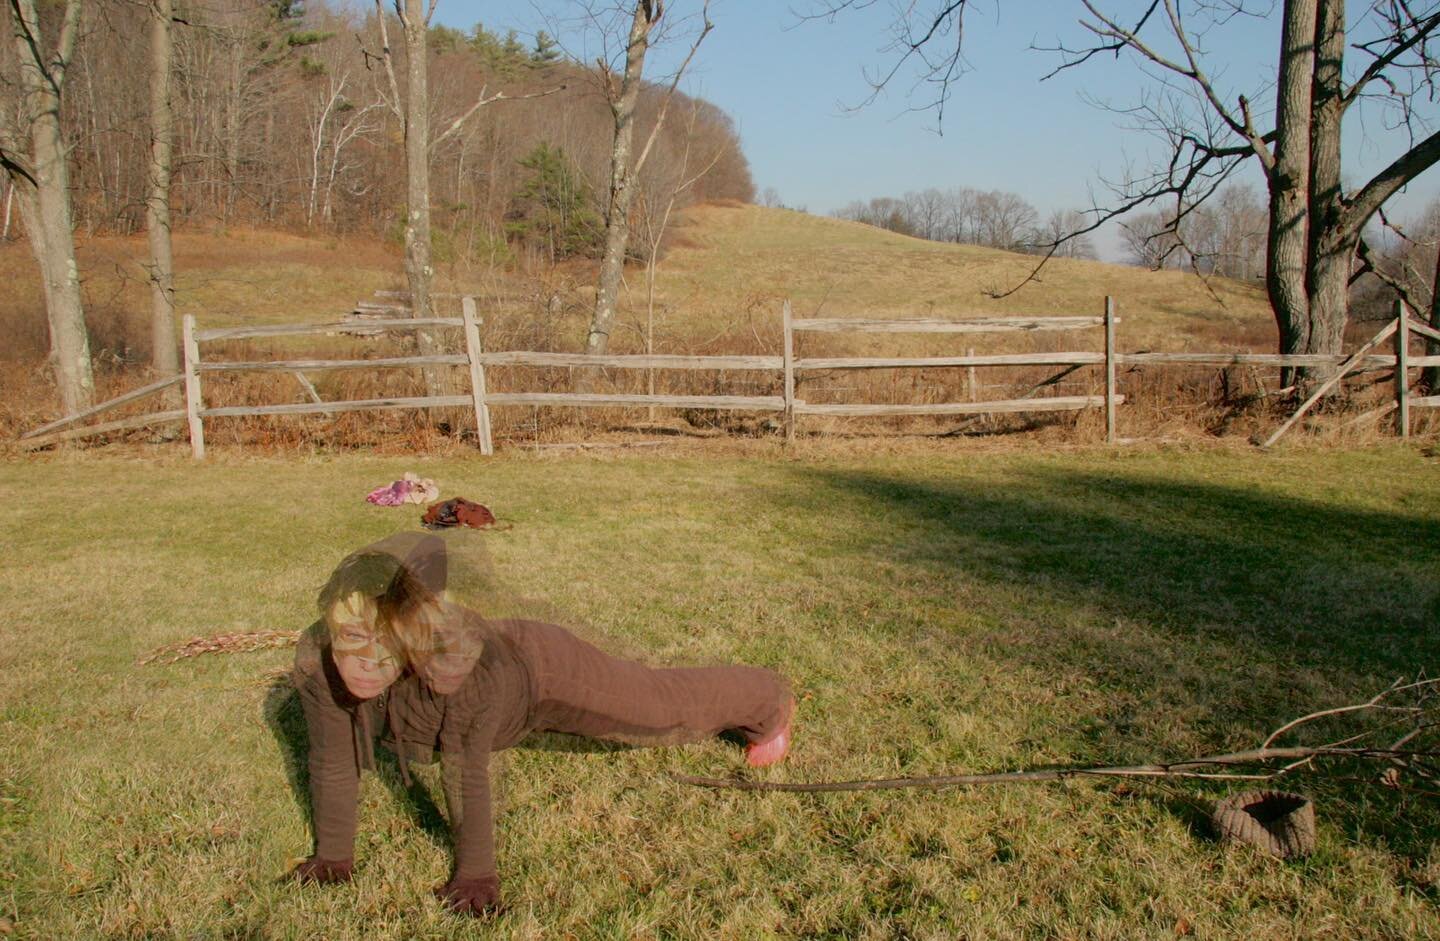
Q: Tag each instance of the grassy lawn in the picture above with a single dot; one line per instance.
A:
(938, 612)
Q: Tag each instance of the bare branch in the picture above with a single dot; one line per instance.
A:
(940, 70)
(388, 57)
(483, 100)
(1231, 764)
(65, 48)
(1388, 182)
(1400, 43)
(674, 83)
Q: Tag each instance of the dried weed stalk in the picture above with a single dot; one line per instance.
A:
(233, 642)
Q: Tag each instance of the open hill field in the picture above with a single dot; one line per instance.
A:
(748, 258)
(728, 272)
(936, 614)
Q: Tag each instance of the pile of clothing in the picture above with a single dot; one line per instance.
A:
(457, 511)
(409, 489)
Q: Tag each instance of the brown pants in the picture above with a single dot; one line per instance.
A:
(581, 690)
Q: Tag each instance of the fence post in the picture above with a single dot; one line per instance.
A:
(789, 358)
(1109, 370)
(477, 374)
(1402, 369)
(192, 388)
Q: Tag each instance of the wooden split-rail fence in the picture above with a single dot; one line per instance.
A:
(790, 366)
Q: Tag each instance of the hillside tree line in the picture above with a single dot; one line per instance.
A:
(968, 216)
(280, 120)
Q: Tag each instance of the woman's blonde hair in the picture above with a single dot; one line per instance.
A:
(380, 590)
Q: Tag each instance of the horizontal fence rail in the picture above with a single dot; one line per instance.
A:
(1247, 359)
(754, 403)
(630, 361)
(319, 365)
(933, 325)
(350, 405)
(336, 326)
(1053, 404)
(926, 362)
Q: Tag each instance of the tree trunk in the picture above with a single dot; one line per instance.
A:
(622, 181)
(1331, 247)
(1430, 375)
(419, 272)
(46, 208)
(1288, 234)
(9, 205)
(164, 355)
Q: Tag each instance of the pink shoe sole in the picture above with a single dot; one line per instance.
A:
(774, 749)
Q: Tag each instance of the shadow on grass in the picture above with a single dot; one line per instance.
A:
(1201, 612)
(1268, 577)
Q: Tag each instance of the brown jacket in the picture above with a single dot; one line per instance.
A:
(491, 711)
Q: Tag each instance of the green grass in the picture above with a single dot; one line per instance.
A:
(938, 612)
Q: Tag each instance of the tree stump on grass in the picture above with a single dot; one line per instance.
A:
(1281, 823)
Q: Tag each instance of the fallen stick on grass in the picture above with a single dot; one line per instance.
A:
(233, 642)
(1179, 769)
(1395, 754)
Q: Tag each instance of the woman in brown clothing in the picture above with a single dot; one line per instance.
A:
(393, 654)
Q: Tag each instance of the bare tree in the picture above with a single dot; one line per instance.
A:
(623, 93)
(1225, 236)
(1056, 226)
(657, 207)
(334, 121)
(926, 210)
(39, 171)
(163, 354)
(883, 212)
(1003, 220)
(1151, 240)
(413, 112)
(1315, 222)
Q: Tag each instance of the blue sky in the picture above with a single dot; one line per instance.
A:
(790, 86)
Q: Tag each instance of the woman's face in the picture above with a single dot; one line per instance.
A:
(454, 655)
(363, 660)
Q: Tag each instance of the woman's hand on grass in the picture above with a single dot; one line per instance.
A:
(477, 896)
(324, 871)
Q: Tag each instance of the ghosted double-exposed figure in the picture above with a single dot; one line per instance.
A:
(415, 647)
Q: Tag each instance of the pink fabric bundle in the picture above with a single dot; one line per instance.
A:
(409, 489)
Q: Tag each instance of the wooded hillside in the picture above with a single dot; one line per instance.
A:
(280, 121)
